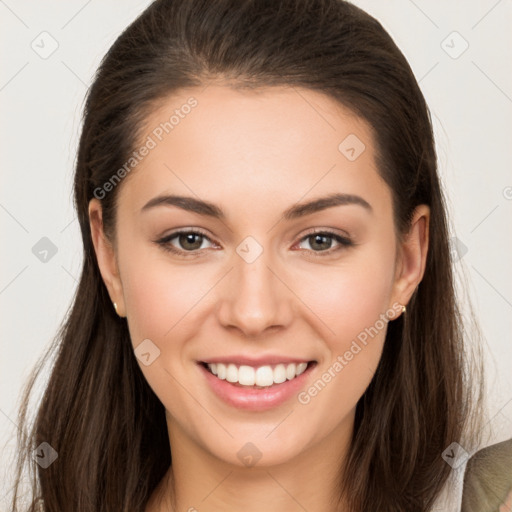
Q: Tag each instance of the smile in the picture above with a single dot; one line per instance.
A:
(256, 388)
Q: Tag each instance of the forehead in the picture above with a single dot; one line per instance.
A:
(264, 146)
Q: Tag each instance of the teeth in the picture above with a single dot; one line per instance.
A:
(279, 373)
(262, 376)
(247, 376)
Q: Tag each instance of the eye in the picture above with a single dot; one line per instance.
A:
(321, 241)
(189, 241)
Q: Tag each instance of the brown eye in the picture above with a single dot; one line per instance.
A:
(322, 241)
(186, 243)
(190, 241)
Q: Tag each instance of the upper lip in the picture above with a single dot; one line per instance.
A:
(255, 361)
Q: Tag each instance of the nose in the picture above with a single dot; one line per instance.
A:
(255, 298)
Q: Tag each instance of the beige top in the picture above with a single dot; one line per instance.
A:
(481, 483)
(488, 478)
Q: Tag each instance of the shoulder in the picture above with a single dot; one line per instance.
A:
(488, 478)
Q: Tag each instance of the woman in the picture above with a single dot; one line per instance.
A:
(266, 316)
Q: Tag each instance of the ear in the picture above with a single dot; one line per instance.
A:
(412, 256)
(106, 257)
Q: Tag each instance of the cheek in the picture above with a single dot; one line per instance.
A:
(160, 298)
(162, 302)
(353, 306)
(350, 297)
(158, 289)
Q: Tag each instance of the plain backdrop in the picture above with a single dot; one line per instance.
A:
(460, 53)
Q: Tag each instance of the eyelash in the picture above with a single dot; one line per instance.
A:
(164, 242)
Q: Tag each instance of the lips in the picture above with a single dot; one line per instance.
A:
(261, 385)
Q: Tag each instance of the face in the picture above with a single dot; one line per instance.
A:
(255, 283)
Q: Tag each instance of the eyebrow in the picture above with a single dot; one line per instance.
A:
(208, 209)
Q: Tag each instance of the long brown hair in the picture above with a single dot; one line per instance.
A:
(98, 412)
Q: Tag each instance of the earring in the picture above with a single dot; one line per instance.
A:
(404, 309)
(115, 307)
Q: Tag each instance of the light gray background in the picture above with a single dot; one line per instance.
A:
(469, 93)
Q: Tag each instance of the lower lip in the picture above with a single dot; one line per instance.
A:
(255, 399)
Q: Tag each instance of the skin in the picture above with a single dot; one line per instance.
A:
(282, 150)
(506, 506)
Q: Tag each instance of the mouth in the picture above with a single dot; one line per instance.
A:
(258, 377)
